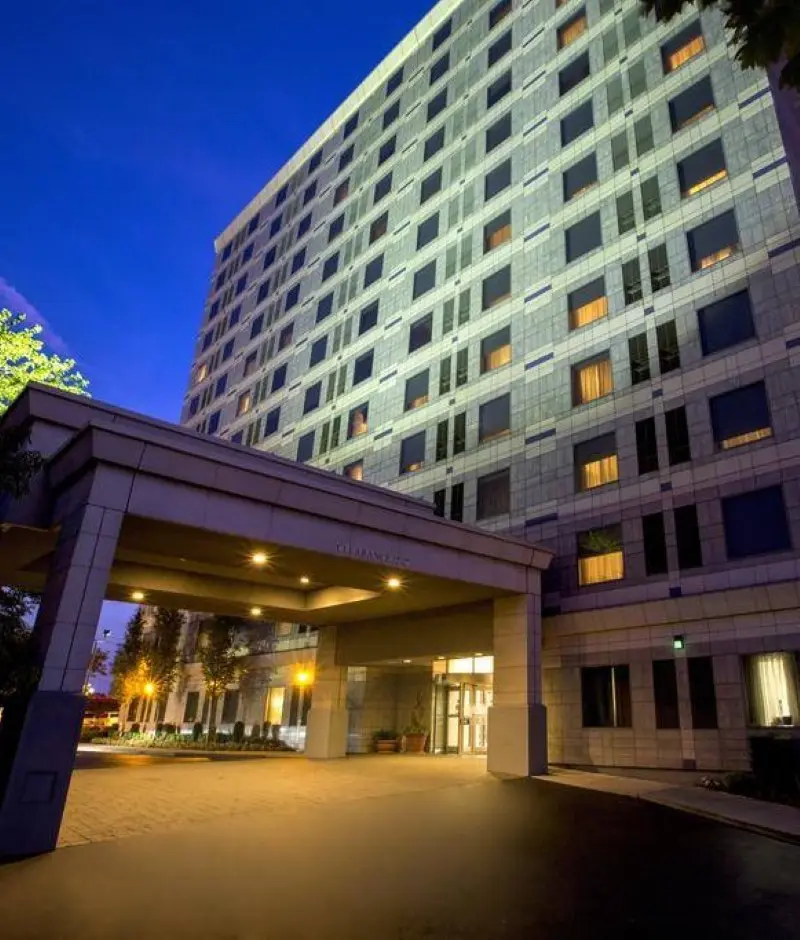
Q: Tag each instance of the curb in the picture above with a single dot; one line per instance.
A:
(183, 752)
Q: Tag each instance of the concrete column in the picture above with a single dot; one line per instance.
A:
(38, 738)
(517, 728)
(326, 733)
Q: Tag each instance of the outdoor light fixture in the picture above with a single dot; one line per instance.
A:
(137, 595)
(305, 580)
(393, 583)
(255, 611)
(406, 661)
(678, 643)
(303, 677)
(259, 558)
(149, 689)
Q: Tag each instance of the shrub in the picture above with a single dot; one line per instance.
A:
(160, 727)
(238, 732)
(197, 731)
(775, 761)
(169, 728)
(384, 735)
(135, 727)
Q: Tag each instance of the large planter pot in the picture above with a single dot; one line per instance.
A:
(386, 746)
(415, 743)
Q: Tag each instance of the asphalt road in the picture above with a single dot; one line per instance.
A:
(488, 860)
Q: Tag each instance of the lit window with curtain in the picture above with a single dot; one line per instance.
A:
(596, 462)
(587, 304)
(600, 555)
(573, 29)
(592, 380)
(772, 690)
(683, 47)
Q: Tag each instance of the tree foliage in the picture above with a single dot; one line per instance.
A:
(162, 656)
(98, 664)
(23, 359)
(764, 32)
(218, 660)
(19, 671)
(127, 672)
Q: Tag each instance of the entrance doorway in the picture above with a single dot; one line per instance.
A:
(461, 700)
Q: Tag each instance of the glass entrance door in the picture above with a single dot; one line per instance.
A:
(475, 701)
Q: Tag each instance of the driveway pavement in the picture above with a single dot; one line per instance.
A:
(389, 848)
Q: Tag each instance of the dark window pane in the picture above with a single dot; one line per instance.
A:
(496, 350)
(493, 495)
(687, 535)
(726, 323)
(460, 433)
(368, 318)
(391, 114)
(577, 122)
(632, 281)
(346, 157)
(324, 307)
(442, 34)
(702, 168)
(496, 180)
(580, 177)
(713, 241)
(498, 49)
(497, 232)
(655, 544)
(437, 104)
(619, 151)
(646, 445)
(595, 462)
(498, 90)
(378, 227)
(420, 332)
(330, 267)
(573, 74)
(305, 447)
(434, 143)
(651, 198)
(587, 303)
(387, 149)
(583, 237)
(439, 498)
(683, 47)
(272, 421)
(755, 523)
(439, 68)
(430, 185)
(498, 132)
(499, 12)
(318, 351)
(442, 433)
(362, 368)
(637, 79)
(690, 105)
(494, 418)
(457, 502)
(350, 125)
(606, 697)
(665, 691)
(394, 82)
(702, 693)
(659, 268)
(427, 231)
(496, 287)
(312, 397)
(373, 271)
(626, 216)
(412, 453)
(678, 445)
(416, 391)
(669, 354)
(424, 279)
(382, 188)
(740, 416)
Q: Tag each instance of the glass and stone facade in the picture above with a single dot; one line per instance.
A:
(541, 269)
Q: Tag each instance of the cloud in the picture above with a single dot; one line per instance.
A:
(10, 297)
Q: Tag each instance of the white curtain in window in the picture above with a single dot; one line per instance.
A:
(773, 689)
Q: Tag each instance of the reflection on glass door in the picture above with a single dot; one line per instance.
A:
(453, 719)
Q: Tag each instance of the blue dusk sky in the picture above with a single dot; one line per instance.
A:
(132, 134)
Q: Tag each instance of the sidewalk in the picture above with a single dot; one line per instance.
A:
(771, 819)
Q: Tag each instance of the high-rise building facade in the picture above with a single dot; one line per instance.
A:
(542, 269)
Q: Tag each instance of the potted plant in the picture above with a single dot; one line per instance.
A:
(385, 741)
(415, 735)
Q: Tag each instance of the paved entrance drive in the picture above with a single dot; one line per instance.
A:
(388, 848)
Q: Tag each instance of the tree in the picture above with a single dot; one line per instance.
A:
(23, 359)
(765, 32)
(162, 657)
(19, 672)
(98, 664)
(216, 652)
(129, 666)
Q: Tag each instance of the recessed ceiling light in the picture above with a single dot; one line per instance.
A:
(137, 595)
(440, 657)
(406, 661)
(478, 654)
(305, 580)
(259, 558)
(393, 583)
(255, 611)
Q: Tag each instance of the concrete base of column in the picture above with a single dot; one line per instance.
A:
(37, 753)
(517, 740)
(326, 732)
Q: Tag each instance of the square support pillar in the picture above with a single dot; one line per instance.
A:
(39, 737)
(517, 724)
(326, 732)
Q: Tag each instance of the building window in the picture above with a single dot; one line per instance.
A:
(713, 241)
(755, 523)
(310, 193)
(382, 188)
(643, 135)
(292, 297)
(637, 79)
(726, 323)
(496, 350)
(304, 225)
(573, 74)
(230, 706)
(439, 501)
(331, 266)
(430, 186)
(244, 403)
(702, 693)
(498, 132)
(571, 30)
(620, 156)
(646, 445)
(494, 419)
(610, 45)
(299, 260)
(669, 353)
(496, 288)
(394, 82)
(459, 433)
(577, 122)
(632, 281)
(683, 47)
(592, 380)
(498, 49)
(498, 90)
(213, 422)
(773, 690)
(658, 261)
(493, 495)
(362, 368)
(324, 308)
(275, 227)
(378, 228)
(606, 697)
(436, 105)
(368, 317)
(600, 555)
(583, 237)
(358, 421)
(439, 68)
(587, 303)
(499, 12)
(391, 114)
(445, 374)
(227, 350)
(626, 216)
(319, 350)
(305, 447)
(285, 337)
(654, 538)
(457, 502)
(651, 198)
(250, 365)
(702, 169)
(442, 435)
(336, 228)
(496, 180)
(416, 391)
(427, 231)
(665, 693)
(272, 421)
(312, 397)
(354, 470)
(595, 462)
(279, 378)
(678, 444)
(424, 280)
(241, 284)
(350, 125)
(269, 257)
(687, 535)
(420, 333)
(263, 291)
(373, 271)
(341, 192)
(191, 707)
(639, 358)
(387, 150)
(615, 97)
(462, 367)
(442, 34)
(579, 177)
(412, 453)
(497, 232)
(221, 386)
(691, 105)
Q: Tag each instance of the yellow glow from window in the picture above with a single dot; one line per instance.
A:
(358, 424)
(696, 117)
(595, 380)
(748, 437)
(497, 358)
(704, 184)
(568, 34)
(588, 313)
(499, 237)
(245, 403)
(599, 472)
(678, 58)
(356, 471)
(259, 558)
(710, 260)
(273, 713)
(202, 372)
(418, 402)
(595, 569)
(413, 467)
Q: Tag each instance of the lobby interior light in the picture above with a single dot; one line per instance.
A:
(393, 583)
(305, 580)
(137, 596)
(303, 677)
(406, 661)
(255, 611)
(259, 558)
(678, 642)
